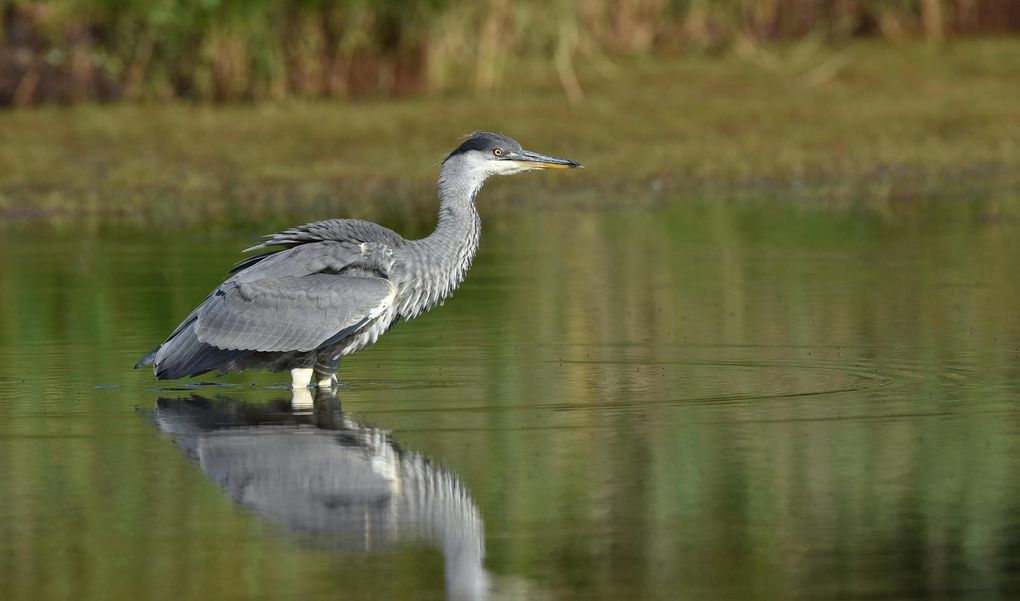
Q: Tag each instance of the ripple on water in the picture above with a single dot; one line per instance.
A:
(702, 383)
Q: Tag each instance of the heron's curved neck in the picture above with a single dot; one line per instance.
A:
(455, 238)
(457, 190)
(444, 257)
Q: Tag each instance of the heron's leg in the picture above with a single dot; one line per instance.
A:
(300, 377)
(325, 372)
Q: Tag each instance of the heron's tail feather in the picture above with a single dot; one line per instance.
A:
(148, 359)
(185, 355)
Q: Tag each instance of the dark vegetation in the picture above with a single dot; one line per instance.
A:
(229, 50)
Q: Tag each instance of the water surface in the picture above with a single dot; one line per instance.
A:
(706, 400)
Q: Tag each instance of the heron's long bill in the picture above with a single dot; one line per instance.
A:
(543, 161)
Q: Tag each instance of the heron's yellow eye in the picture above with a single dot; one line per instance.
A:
(498, 152)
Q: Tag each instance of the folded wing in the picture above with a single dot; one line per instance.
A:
(290, 313)
(295, 300)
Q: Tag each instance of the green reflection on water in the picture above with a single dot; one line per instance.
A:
(706, 400)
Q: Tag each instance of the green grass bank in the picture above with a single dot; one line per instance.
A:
(874, 124)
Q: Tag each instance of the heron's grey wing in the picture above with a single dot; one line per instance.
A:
(299, 261)
(303, 260)
(290, 313)
(333, 243)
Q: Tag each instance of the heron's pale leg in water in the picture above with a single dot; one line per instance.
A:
(300, 377)
(301, 400)
(326, 373)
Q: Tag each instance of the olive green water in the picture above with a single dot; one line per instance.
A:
(702, 400)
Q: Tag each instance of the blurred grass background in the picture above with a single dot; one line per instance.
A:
(264, 112)
(220, 50)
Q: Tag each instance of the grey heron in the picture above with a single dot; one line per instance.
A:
(317, 292)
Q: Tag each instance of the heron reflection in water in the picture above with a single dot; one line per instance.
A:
(331, 480)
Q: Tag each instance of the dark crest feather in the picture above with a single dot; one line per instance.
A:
(485, 141)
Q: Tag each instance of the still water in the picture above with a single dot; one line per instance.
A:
(703, 400)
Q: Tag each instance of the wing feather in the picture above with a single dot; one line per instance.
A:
(289, 313)
(316, 290)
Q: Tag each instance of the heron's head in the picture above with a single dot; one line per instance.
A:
(486, 154)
